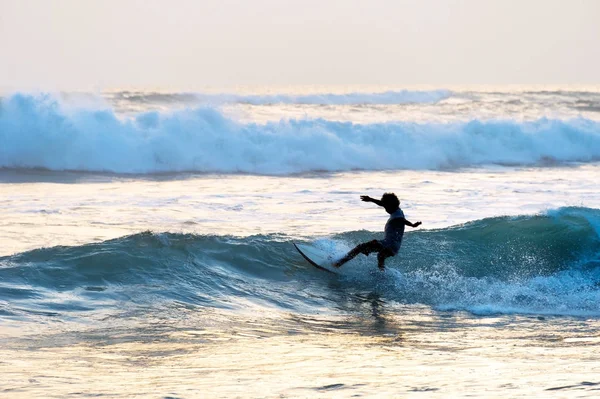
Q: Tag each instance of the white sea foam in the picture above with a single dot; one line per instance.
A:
(38, 132)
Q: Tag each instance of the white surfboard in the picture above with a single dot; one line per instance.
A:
(316, 257)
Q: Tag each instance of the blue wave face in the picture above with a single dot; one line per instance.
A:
(38, 133)
(531, 264)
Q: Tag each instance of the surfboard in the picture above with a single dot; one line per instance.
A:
(316, 257)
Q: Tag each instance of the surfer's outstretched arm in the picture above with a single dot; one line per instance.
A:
(366, 198)
(407, 223)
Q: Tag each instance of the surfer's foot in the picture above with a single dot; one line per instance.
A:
(332, 261)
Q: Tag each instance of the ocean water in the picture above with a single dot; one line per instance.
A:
(146, 243)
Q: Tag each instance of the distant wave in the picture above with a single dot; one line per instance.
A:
(547, 263)
(37, 132)
(387, 97)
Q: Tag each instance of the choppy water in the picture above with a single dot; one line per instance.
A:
(117, 280)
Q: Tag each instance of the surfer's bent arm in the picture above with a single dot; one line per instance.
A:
(407, 223)
(366, 198)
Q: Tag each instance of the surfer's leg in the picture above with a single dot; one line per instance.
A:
(381, 257)
(365, 248)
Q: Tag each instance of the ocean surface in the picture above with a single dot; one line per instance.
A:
(146, 243)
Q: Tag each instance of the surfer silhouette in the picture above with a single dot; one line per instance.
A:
(394, 230)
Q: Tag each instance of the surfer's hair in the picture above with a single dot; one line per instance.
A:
(390, 201)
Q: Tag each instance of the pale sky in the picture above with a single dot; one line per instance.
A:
(190, 44)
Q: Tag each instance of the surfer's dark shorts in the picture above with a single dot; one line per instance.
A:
(376, 246)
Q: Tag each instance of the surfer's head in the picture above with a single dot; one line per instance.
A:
(390, 202)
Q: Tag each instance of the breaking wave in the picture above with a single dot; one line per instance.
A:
(37, 132)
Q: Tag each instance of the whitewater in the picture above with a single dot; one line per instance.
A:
(40, 132)
(146, 243)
